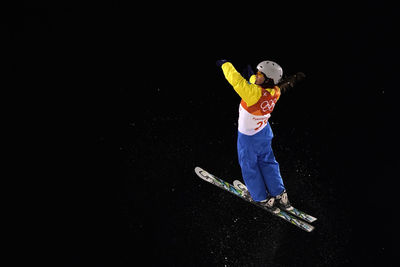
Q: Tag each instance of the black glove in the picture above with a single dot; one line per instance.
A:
(247, 72)
(220, 62)
(291, 81)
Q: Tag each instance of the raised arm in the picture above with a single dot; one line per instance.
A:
(250, 93)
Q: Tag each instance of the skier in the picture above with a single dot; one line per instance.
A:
(260, 170)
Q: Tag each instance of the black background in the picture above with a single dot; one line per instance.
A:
(134, 102)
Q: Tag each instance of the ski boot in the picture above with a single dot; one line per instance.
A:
(270, 204)
(283, 201)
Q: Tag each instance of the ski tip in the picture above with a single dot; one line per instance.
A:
(239, 185)
(236, 183)
(203, 174)
(198, 170)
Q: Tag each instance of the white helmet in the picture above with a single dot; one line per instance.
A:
(271, 69)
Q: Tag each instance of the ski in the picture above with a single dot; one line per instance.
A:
(242, 194)
(294, 211)
(302, 215)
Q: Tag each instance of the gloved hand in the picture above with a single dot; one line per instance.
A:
(221, 62)
(291, 81)
(247, 72)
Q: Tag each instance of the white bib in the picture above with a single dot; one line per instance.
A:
(250, 124)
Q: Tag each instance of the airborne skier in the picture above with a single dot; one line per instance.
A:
(260, 170)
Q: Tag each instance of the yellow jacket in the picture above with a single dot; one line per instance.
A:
(249, 92)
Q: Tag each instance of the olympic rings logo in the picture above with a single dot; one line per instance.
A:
(267, 105)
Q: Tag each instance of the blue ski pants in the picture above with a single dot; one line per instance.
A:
(260, 170)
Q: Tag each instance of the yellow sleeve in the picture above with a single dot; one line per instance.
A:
(252, 79)
(250, 93)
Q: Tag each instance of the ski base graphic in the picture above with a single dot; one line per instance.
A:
(289, 217)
